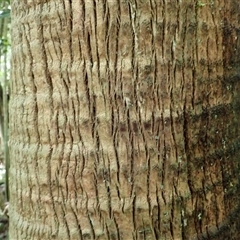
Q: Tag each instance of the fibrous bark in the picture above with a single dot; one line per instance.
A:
(124, 119)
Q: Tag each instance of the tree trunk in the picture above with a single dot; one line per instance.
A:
(124, 119)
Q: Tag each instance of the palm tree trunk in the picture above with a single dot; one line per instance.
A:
(124, 120)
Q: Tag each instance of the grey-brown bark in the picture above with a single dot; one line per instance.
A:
(124, 119)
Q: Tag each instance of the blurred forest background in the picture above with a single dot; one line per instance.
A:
(5, 52)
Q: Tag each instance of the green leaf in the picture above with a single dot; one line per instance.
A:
(5, 13)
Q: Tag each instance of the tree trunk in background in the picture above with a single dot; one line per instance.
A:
(124, 119)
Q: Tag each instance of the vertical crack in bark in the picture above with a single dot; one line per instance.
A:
(187, 149)
(134, 215)
(107, 185)
(215, 26)
(196, 33)
(117, 229)
(115, 144)
(87, 90)
(108, 234)
(153, 26)
(67, 159)
(73, 128)
(83, 10)
(64, 20)
(82, 153)
(131, 157)
(118, 192)
(113, 84)
(198, 215)
(95, 179)
(133, 11)
(94, 122)
(173, 131)
(49, 176)
(88, 64)
(63, 208)
(91, 225)
(209, 73)
(164, 12)
(123, 205)
(193, 85)
(70, 24)
(158, 220)
(54, 45)
(223, 172)
(183, 94)
(163, 170)
(112, 88)
(183, 217)
(95, 43)
(80, 234)
(172, 215)
(148, 180)
(74, 177)
(148, 160)
(44, 57)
